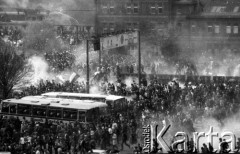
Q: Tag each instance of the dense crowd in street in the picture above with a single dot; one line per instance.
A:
(33, 137)
(181, 103)
(208, 98)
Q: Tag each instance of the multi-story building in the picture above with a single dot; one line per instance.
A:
(210, 25)
(151, 17)
(114, 15)
(216, 28)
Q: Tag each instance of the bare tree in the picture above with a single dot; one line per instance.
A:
(12, 68)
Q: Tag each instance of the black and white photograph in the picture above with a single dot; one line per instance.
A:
(119, 76)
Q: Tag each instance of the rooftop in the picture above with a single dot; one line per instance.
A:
(220, 9)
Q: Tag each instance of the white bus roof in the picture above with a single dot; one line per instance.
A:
(107, 97)
(113, 97)
(54, 99)
(63, 103)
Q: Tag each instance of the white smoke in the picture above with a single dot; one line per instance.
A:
(236, 71)
(128, 81)
(40, 69)
(95, 90)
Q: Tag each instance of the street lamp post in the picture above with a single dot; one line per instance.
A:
(139, 59)
(87, 54)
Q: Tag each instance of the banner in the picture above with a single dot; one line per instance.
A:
(119, 40)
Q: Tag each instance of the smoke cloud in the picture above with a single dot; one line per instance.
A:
(40, 69)
(95, 90)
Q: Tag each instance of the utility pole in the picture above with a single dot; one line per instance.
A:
(87, 54)
(139, 59)
(100, 57)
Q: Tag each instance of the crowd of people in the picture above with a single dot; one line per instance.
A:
(125, 63)
(181, 103)
(30, 136)
(48, 86)
(11, 34)
(16, 32)
(60, 61)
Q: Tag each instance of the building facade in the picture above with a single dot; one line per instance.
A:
(154, 18)
(216, 28)
(114, 15)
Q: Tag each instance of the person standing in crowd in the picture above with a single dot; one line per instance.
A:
(220, 145)
(114, 140)
(155, 146)
(223, 145)
(81, 144)
(124, 134)
(103, 138)
(133, 126)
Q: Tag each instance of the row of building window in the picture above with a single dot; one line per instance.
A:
(221, 9)
(111, 27)
(230, 29)
(133, 8)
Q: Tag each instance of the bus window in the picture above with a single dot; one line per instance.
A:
(5, 107)
(102, 111)
(86, 98)
(49, 96)
(94, 114)
(13, 108)
(81, 116)
(55, 113)
(39, 111)
(24, 109)
(74, 98)
(100, 99)
(90, 115)
(66, 97)
(69, 114)
(119, 104)
(110, 104)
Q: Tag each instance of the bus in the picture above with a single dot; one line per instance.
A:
(59, 110)
(113, 101)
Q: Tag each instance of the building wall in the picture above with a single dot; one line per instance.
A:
(214, 34)
(152, 17)
(115, 15)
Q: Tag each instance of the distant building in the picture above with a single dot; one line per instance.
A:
(79, 14)
(19, 14)
(115, 15)
(157, 16)
(216, 28)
